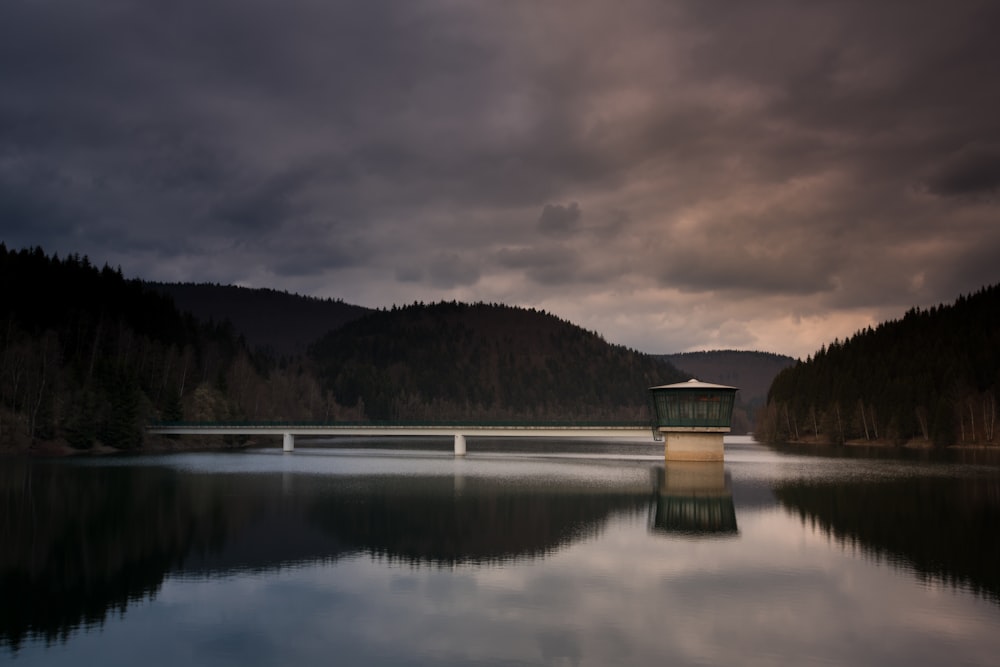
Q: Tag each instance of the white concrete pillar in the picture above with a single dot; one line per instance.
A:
(459, 444)
(289, 442)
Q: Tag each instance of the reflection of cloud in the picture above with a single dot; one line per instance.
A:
(628, 597)
(559, 645)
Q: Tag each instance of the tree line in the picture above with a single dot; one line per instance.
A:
(88, 358)
(931, 376)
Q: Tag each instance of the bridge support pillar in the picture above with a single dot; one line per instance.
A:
(289, 442)
(459, 444)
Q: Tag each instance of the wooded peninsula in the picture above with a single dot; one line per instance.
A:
(930, 378)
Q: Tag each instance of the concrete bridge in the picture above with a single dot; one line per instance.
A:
(690, 419)
(459, 430)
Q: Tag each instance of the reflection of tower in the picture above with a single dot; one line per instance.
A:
(693, 498)
(692, 416)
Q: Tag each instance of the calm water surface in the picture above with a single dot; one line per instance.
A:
(594, 554)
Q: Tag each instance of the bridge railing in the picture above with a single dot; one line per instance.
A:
(398, 424)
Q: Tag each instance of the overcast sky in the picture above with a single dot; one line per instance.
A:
(685, 175)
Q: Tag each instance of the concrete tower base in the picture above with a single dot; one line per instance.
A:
(692, 445)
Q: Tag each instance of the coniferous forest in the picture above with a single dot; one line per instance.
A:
(931, 377)
(89, 358)
(483, 361)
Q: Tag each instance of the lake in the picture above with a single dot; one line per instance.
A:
(522, 553)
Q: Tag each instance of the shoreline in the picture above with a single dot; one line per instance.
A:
(54, 449)
(915, 445)
(162, 444)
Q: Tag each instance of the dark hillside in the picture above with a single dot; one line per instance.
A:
(932, 376)
(453, 360)
(752, 372)
(282, 322)
(88, 356)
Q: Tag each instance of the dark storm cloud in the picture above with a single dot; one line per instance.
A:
(409, 274)
(823, 158)
(304, 257)
(264, 205)
(542, 265)
(559, 219)
(448, 270)
(22, 207)
(970, 172)
(731, 271)
(615, 223)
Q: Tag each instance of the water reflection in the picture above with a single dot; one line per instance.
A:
(538, 559)
(942, 528)
(694, 499)
(434, 521)
(82, 540)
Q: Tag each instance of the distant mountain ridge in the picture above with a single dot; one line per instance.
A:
(751, 372)
(283, 322)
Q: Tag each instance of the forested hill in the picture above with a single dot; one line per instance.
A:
(454, 360)
(88, 356)
(285, 323)
(932, 376)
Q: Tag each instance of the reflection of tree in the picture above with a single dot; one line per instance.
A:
(944, 529)
(429, 520)
(80, 541)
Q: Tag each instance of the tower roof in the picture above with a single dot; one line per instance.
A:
(694, 384)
